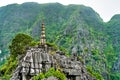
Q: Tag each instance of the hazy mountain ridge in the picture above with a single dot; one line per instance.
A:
(72, 26)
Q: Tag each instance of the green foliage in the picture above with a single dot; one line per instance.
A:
(7, 69)
(80, 58)
(50, 72)
(55, 73)
(59, 75)
(52, 45)
(39, 76)
(98, 76)
(62, 23)
(95, 54)
(65, 51)
(115, 76)
(33, 43)
(19, 44)
(95, 51)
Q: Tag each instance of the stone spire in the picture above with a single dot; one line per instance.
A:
(43, 38)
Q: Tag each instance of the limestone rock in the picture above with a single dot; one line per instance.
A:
(38, 60)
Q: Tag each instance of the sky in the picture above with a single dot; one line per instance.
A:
(105, 8)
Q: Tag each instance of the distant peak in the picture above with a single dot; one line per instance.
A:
(116, 17)
(30, 3)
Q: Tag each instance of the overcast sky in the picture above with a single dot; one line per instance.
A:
(106, 8)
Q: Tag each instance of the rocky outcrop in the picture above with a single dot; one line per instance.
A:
(39, 60)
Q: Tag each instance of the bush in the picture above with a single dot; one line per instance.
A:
(19, 44)
(39, 76)
(7, 69)
(52, 45)
(33, 43)
(95, 51)
(94, 74)
(55, 73)
(115, 76)
(59, 75)
(51, 72)
(65, 51)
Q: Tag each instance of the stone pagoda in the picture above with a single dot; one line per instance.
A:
(38, 60)
(43, 38)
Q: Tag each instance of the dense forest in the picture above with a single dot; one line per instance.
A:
(72, 28)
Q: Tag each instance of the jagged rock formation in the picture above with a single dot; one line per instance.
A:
(41, 58)
(38, 59)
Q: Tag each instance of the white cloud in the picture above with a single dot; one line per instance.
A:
(106, 8)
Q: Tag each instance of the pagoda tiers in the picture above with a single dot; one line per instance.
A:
(43, 38)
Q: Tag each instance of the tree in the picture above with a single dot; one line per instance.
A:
(19, 44)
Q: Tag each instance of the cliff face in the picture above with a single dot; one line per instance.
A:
(72, 26)
(40, 60)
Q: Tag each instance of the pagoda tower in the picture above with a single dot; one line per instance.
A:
(43, 38)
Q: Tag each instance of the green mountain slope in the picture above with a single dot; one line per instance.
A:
(113, 29)
(77, 28)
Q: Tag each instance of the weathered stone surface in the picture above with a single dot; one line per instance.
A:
(38, 60)
(16, 74)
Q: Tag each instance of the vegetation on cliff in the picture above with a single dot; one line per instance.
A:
(76, 28)
(50, 72)
(9, 67)
(17, 49)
